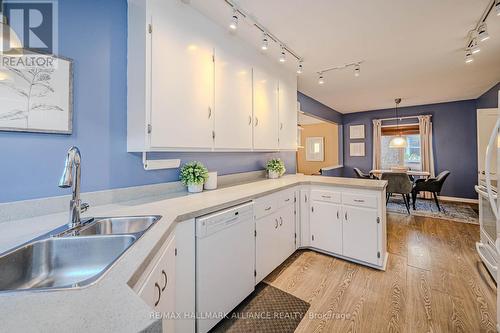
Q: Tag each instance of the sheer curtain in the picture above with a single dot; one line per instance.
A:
(426, 153)
(377, 144)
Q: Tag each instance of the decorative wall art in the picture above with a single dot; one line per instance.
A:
(357, 149)
(36, 98)
(315, 150)
(357, 132)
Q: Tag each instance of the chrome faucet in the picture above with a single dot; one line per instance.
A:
(73, 160)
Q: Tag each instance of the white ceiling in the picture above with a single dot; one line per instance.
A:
(411, 49)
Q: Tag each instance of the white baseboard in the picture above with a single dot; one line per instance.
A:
(455, 199)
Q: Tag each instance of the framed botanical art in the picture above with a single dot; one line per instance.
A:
(36, 94)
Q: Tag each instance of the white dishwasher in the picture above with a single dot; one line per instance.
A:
(225, 263)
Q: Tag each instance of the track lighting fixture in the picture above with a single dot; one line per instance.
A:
(300, 68)
(321, 79)
(482, 32)
(357, 70)
(233, 25)
(282, 55)
(497, 7)
(265, 43)
(474, 46)
(468, 57)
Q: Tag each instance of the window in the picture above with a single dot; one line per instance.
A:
(408, 157)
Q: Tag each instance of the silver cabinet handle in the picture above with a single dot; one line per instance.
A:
(157, 286)
(326, 196)
(305, 196)
(281, 126)
(256, 121)
(338, 215)
(287, 200)
(268, 208)
(249, 120)
(276, 225)
(345, 216)
(209, 112)
(166, 280)
(281, 221)
(358, 200)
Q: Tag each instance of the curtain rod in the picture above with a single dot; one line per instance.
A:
(407, 117)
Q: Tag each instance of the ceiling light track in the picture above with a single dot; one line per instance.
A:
(244, 14)
(356, 65)
(480, 33)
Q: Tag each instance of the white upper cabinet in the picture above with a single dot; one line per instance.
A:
(181, 78)
(265, 110)
(288, 113)
(192, 86)
(233, 102)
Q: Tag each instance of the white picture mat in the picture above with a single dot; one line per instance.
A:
(357, 149)
(357, 132)
(315, 149)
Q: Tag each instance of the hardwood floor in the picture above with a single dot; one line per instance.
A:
(435, 282)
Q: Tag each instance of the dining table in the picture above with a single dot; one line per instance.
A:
(415, 173)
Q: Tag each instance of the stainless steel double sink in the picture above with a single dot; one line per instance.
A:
(71, 258)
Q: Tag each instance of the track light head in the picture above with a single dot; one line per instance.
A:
(475, 47)
(233, 25)
(482, 32)
(497, 7)
(282, 55)
(468, 57)
(357, 70)
(300, 68)
(265, 43)
(321, 79)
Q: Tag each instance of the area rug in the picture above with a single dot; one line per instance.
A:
(454, 211)
(267, 309)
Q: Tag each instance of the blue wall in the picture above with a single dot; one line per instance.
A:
(315, 108)
(454, 134)
(94, 34)
(489, 99)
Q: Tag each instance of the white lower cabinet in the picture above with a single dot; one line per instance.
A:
(326, 226)
(360, 234)
(158, 289)
(274, 233)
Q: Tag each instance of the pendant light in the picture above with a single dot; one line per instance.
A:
(398, 141)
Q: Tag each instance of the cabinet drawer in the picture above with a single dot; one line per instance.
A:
(327, 196)
(360, 200)
(265, 206)
(286, 198)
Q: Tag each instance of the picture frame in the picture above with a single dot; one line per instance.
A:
(357, 149)
(37, 99)
(315, 149)
(357, 132)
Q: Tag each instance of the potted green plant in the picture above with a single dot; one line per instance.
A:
(193, 175)
(275, 168)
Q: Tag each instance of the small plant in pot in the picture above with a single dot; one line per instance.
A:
(193, 175)
(275, 168)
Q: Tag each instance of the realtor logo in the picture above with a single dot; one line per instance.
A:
(32, 25)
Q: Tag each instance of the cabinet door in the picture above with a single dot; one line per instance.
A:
(233, 102)
(326, 226)
(360, 234)
(181, 78)
(265, 109)
(285, 244)
(158, 290)
(288, 114)
(267, 257)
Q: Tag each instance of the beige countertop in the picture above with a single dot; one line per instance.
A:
(109, 305)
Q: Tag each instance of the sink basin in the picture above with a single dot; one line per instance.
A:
(60, 262)
(118, 225)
